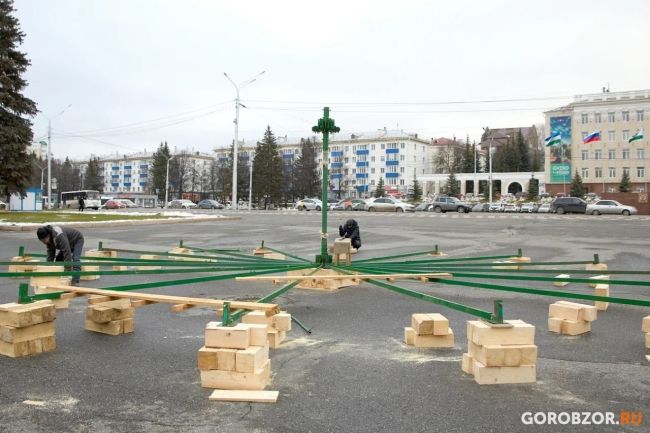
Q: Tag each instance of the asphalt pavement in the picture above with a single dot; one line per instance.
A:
(353, 373)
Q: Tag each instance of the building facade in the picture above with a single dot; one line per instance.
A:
(617, 116)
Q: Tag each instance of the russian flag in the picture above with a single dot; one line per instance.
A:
(594, 136)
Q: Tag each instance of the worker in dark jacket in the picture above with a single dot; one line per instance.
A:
(68, 241)
(351, 230)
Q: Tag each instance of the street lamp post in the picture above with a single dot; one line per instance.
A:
(167, 182)
(250, 182)
(49, 154)
(233, 200)
(490, 159)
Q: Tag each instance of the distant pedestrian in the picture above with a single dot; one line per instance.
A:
(82, 204)
(351, 230)
(68, 241)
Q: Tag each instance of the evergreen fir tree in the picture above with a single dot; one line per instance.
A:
(307, 182)
(267, 171)
(522, 153)
(577, 187)
(467, 164)
(379, 190)
(625, 185)
(158, 172)
(93, 181)
(15, 133)
(533, 188)
(453, 186)
(417, 189)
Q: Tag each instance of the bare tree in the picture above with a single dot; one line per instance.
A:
(448, 158)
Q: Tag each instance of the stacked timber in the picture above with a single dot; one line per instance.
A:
(499, 354)
(40, 284)
(570, 318)
(277, 325)
(645, 327)
(27, 264)
(27, 329)
(600, 289)
(111, 317)
(429, 330)
(235, 357)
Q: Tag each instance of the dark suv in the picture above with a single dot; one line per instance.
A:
(444, 204)
(564, 205)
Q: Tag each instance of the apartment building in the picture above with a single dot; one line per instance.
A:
(617, 116)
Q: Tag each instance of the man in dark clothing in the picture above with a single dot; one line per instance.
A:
(82, 204)
(68, 241)
(351, 230)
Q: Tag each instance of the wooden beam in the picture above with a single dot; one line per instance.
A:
(177, 308)
(389, 277)
(244, 396)
(270, 309)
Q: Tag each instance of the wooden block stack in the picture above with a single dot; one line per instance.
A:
(149, 257)
(93, 253)
(28, 266)
(235, 357)
(342, 251)
(40, 284)
(27, 329)
(328, 285)
(502, 353)
(645, 327)
(562, 283)
(276, 325)
(570, 318)
(112, 317)
(429, 330)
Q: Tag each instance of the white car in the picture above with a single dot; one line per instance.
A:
(495, 207)
(388, 204)
(308, 204)
(182, 204)
(544, 208)
(610, 207)
(527, 207)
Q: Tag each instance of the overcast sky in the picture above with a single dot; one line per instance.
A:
(157, 66)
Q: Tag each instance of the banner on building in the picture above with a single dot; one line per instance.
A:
(560, 154)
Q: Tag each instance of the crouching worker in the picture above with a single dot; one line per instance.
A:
(68, 241)
(351, 230)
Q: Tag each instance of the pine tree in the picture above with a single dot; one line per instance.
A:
(577, 187)
(417, 189)
(267, 171)
(453, 186)
(379, 190)
(533, 188)
(16, 132)
(306, 180)
(522, 153)
(158, 172)
(93, 181)
(625, 185)
(467, 162)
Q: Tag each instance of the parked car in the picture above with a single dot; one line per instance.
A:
(126, 201)
(309, 204)
(359, 205)
(509, 207)
(348, 204)
(114, 204)
(564, 205)
(182, 204)
(495, 207)
(388, 204)
(528, 207)
(610, 207)
(422, 207)
(445, 204)
(209, 204)
(481, 207)
(544, 208)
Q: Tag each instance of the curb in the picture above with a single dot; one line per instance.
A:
(17, 228)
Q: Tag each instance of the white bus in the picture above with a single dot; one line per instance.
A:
(70, 199)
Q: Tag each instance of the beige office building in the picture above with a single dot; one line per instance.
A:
(618, 116)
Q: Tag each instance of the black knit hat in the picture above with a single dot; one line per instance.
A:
(42, 233)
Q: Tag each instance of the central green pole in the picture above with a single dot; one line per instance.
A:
(325, 126)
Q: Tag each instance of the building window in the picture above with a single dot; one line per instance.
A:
(611, 116)
(625, 116)
(625, 135)
(611, 153)
(382, 170)
(612, 171)
(401, 157)
(598, 172)
(611, 135)
(597, 118)
(597, 154)
(383, 145)
(585, 173)
(401, 181)
(401, 169)
(585, 155)
(626, 154)
(640, 154)
(372, 171)
(372, 147)
(639, 115)
(401, 145)
(382, 158)
(640, 172)
(626, 171)
(585, 118)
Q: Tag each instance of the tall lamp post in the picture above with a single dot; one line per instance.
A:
(49, 154)
(167, 182)
(234, 153)
(490, 158)
(251, 157)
